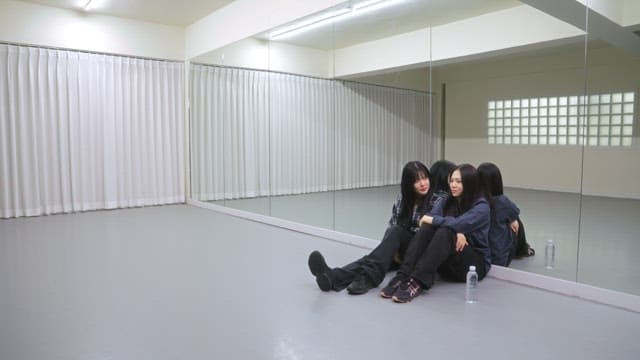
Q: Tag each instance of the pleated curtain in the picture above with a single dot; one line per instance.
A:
(302, 134)
(82, 131)
(229, 133)
(259, 133)
(378, 130)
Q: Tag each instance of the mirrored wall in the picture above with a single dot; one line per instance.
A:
(314, 125)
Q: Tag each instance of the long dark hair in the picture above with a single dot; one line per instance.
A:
(440, 171)
(490, 179)
(410, 174)
(490, 182)
(470, 189)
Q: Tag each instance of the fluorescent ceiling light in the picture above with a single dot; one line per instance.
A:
(87, 5)
(309, 24)
(331, 16)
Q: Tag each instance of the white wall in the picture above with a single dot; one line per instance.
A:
(31, 24)
(396, 51)
(259, 54)
(622, 12)
(611, 9)
(631, 13)
(248, 53)
(497, 32)
(300, 60)
(415, 79)
(607, 171)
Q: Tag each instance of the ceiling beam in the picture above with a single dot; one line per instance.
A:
(597, 25)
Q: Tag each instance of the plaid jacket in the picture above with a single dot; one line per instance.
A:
(422, 209)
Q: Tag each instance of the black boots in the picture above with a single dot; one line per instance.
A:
(360, 286)
(323, 273)
(320, 270)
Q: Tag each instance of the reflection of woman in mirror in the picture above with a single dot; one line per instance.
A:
(368, 272)
(451, 238)
(440, 171)
(506, 230)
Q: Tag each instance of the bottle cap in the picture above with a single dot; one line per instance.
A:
(550, 241)
(472, 268)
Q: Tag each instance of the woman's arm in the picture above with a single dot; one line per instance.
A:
(509, 209)
(509, 213)
(437, 210)
(475, 218)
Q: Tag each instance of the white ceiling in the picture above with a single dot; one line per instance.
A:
(398, 18)
(168, 12)
(403, 16)
(407, 15)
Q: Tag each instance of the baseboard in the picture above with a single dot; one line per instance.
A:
(354, 240)
(566, 287)
(573, 192)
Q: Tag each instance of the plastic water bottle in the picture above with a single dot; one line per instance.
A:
(549, 254)
(471, 294)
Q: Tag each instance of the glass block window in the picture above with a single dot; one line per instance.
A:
(594, 120)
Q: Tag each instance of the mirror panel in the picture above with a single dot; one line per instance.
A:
(230, 123)
(520, 109)
(610, 194)
(384, 125)
(472, 86)
(382, 112)
(301, 108)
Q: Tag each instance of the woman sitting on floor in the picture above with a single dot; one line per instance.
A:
(452, 237)
(506, 233)
(415, 200)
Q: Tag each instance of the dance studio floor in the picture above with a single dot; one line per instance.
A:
(180, 282)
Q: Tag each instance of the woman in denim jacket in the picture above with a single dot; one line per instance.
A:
(453, 236)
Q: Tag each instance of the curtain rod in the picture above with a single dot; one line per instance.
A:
(88, 52)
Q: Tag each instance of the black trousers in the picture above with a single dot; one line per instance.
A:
(375, 265)
(432, 251)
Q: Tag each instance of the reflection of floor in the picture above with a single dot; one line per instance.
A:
(179, 282)
(351, 211)
(608, 228)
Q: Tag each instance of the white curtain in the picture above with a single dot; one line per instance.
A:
(379, 129)
(230, 133)
(82, 131)
(257, 133)
(302, 134)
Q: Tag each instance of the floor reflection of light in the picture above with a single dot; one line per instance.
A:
(284, 350)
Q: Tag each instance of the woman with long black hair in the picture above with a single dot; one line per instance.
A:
(368, 272)
(506, 234)
(451, 238)
(440, 171)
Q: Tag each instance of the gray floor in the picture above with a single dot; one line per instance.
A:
(178, 282)
(596, 238)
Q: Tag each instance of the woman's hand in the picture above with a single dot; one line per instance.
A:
(515, 226)
(461, 242)
(426, 220)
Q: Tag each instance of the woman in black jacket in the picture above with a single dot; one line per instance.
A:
(506, 233)
(368, 272)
